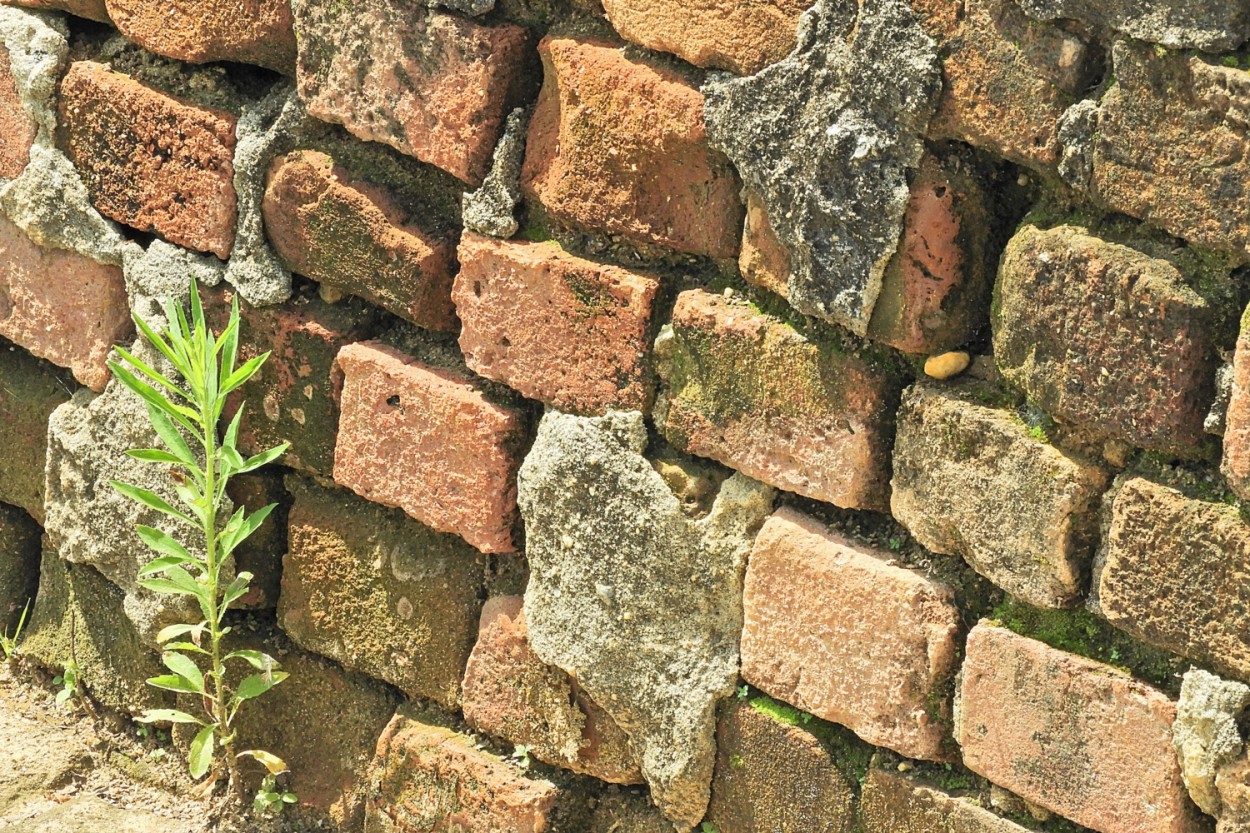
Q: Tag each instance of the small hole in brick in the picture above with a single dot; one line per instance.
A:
(477, 288)
(504, 342)
(939, 191)
(393, 401)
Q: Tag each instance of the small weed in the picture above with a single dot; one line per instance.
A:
(521, 754)
(708, 827)
(8, 644)
(68, 680)
(270, 799)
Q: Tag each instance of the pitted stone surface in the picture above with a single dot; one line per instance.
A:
(639, 603)
(1209, 25)
(1205, 733)
(490, 209)
(92, 9)
(829, 155)
(250, 32)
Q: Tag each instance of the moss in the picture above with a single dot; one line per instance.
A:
(850, 754)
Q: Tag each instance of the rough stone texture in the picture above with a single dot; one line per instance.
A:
(829, 157)
(19, 565)
(1169, 573)
(1205, 733)
(776, 777)
(627, 812)
(633, 598)
(567, 331)
(89, 812)
(432, 85)
(618, 145)
(261, 554)
(491, 208)
(379, 592)
(429, 778)
(353, 236)
(17, 128)
(893, 803)
(37, 757)
(1007, 80)
(1105, 336)
(749, 391)
(1235, 463)
(428, 441)
(164, 270)
(1212, 26)
(1233, 782)
(1171, 145)
(834, 629)
(720, 34)
(30, 390)
(511, 694)
(969, 480)
(1216, 420)
(149, 159)
(1072, 735)
(295, 396)
(200, 31)
(73, 322)
(93, 9)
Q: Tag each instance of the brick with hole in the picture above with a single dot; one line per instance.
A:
(430, 441)
(30, 390)
(354, 236)
(248, 31)
(812, 415)
(379, 592)
(617, 146)
(835, 628)
(1077, 737)
(149, 159)
(567, 331)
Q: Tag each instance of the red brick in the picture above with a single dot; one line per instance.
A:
(246, 31)
(433, 85)
(806, 415)
(894, 803)
(1077, 737)
(511, 694)
(61, 306)
(429, 441)
(618, 146)
(833, 628)
(93, 9)
(1236, 460)
(353, 236)
(17, 129)
(151, 160)
(569, 332)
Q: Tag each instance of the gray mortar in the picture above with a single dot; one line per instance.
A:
(1211, 25)
(472, 8)
(1076, 138)
(641, 604)
(826, 138)
(163, 271)
(1217, 418)
(491, 209)
(1205, 732)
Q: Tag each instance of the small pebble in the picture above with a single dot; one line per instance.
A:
(946, 365)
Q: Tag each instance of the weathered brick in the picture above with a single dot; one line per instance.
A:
(1235, 464)
(61, 306)
(893, 803)
(833, 628)
(433, 85)
(429, 778)
(429, 441)
(511, 694)
(149, 159)
(250, 32)
(30, 390)
(1006, 79)
(969, 480)
(753, 393)
(93, 9)
(1169, 572)
(294, 397)
(17, 128)
(378, 592)
(354, 236)
(261, 554)
(1105, 336)
(19, 565)
(618, 146)
(1172, 146)
(739, 37)
(567, 331)
(775, 776)
(1077, 737)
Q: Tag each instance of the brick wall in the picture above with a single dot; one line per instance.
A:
(742, 416)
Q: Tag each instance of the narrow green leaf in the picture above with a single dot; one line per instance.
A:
(170, 436)
(190, 647)
(160, 565)
(258, 660)
(183, 416)
(272, 762)
(240, 376)
(191, 496)
(231, 457)
(167, 716)
(165, 586)
(185, 667)
(174, 631)
(173, 682)
(201, 755)
(237, 589)
(151, 500)
(152, 455)
(232, 431)
(167, 350)
(257, 684)
(263, 459)
(162, 543)
(230, 339)
(150, 372)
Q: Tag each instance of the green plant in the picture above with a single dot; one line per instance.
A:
(68, 681)
(271, 799)
(8, 644)
(185, 412)
(521, 754)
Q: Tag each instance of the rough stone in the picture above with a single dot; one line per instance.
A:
(378, 592)
(1105, 336)
(774, 776)
(149, 159)
(200, 31)
(353, 236)
(17, 129)
(633, 598)
(30, 389)
(555, 327)
(491, 208)
(511, 694)
(432, 85)
(1205, 733)
(164, 270)
(969, 480)
(1167, 573)
(1213, 26)
(627, 812)
(1235, 463)
(1171, 145)
(721, 34)
(1233, 783)
(828, 157)
(808, 415)
(37, 757)
(92, 9)
(833, 628)
(1216, 420)
(429, 441)
(893, 803)
(19, 565)
(89, 812)
(617, 145)
(61, 306)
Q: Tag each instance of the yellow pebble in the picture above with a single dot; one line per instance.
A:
(946, 365)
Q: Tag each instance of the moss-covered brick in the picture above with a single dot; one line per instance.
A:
(30, 390)
(19, 565)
